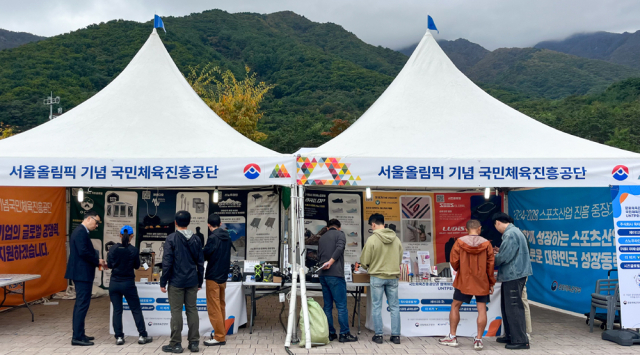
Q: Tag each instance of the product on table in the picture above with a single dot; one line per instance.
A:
(268, 273)
(258, 272)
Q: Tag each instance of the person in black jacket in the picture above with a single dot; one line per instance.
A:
(81, 268)
(183, 269)
(122, 259)
(217, 252)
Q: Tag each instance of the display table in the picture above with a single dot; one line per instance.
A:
(274, 287)
(424, 311)
(157, 315)
(16, 284)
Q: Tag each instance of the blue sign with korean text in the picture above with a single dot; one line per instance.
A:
(571, 242)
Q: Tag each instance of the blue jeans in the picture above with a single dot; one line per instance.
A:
(390, 288)
(334, 289)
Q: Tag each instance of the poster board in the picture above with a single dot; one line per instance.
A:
(570, 232)
(32, 238)
(626, 217)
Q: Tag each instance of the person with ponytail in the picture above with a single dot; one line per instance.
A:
(123, 259)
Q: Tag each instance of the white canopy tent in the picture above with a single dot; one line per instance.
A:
(434, 127)
(146, 128)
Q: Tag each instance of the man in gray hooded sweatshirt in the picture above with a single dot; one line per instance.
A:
(183, 269)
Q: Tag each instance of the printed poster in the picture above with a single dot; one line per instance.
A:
(626, 215)
(409, 214)
(32, 239)
(263, 232)
(322, 206)
(453, 210)
(120, 210)
(197, 204)
(94, 199)
(570, 233)
(232, 209)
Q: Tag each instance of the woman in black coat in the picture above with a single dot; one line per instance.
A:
(122, 259)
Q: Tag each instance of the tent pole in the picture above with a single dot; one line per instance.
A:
(294, 271)
(303, 254)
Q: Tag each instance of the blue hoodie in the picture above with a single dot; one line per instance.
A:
(513, 258)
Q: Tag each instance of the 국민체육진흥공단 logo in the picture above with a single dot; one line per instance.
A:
(620, 172)
(252, 171)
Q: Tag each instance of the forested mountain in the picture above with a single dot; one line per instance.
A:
(10, 39)
(321, 72)
(533, 72)
(618, 48)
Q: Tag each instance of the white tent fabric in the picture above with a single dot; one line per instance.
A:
(148, 116)
(433, 116)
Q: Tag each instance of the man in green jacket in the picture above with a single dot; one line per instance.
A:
(382, 256)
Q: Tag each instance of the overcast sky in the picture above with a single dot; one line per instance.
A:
(390, 23)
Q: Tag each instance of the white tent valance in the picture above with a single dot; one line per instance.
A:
(434, 127)
(146, 128)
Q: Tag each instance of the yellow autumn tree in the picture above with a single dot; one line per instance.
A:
(6, 131)
(237, 102)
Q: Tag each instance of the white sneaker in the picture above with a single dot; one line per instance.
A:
(120, 341)
(212, 342)
(478, 344)
(449, 341)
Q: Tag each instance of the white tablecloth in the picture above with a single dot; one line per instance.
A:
(157, 316)
(424, 311)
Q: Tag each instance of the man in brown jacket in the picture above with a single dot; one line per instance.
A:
(472, 258)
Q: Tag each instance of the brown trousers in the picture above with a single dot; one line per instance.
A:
(216, 308)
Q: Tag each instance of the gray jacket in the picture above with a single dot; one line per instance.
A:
(513, 258)
(331, 246)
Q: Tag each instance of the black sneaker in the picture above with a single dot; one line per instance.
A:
(395, 339)
(377, 339)
(503, 340)
(347, 338)
(333, 337)
(338, 200)
(516, 346)
(193, 346)
(176, 349)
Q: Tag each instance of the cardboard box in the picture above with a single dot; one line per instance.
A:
(277, 279)
(141, 273)
(361, 278)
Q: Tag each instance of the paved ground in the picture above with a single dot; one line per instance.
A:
(554, 333)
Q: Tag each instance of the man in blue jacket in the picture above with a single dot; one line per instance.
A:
(183, 269)
(81, 268)
(514, 268)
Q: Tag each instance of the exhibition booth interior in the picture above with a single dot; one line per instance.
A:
(423, 155)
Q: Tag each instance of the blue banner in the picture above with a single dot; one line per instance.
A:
(626, 215)
(571, 242)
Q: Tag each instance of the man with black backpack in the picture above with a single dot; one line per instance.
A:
(183, 269)
(217, 252)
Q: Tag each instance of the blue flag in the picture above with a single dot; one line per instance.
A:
(157, 23)
(430, 24)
